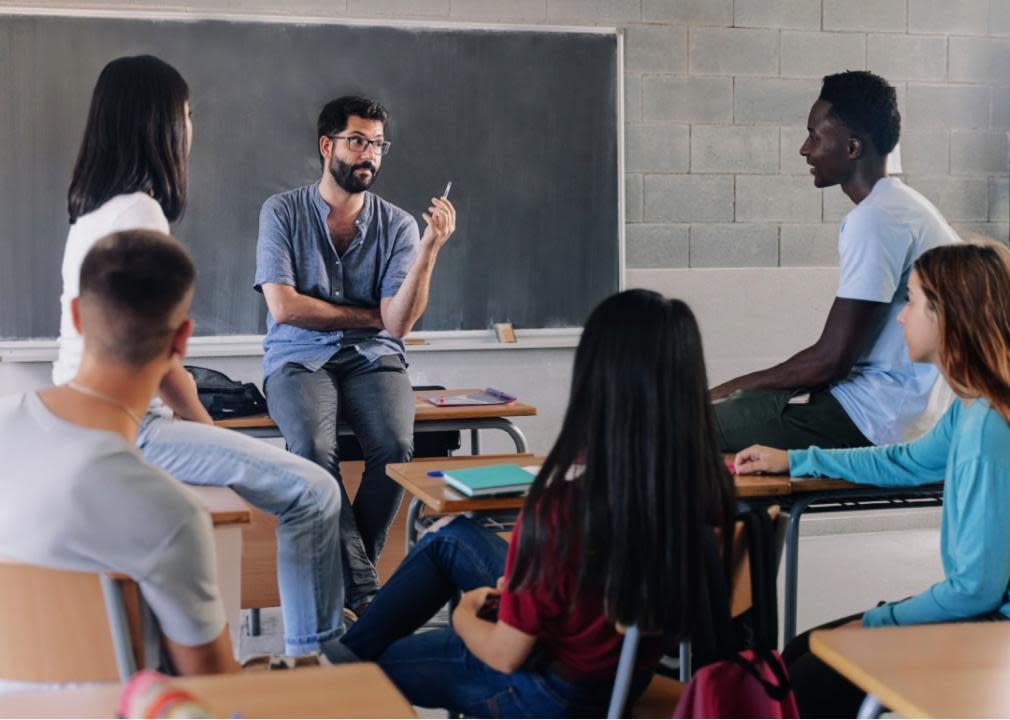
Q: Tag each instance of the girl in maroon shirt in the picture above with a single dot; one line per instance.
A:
(610, 535)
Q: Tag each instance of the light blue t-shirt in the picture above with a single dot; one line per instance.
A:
(294, 249)
(879, 241)
(969, 449)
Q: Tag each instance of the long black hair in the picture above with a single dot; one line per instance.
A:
(640, 420)
(135, 138)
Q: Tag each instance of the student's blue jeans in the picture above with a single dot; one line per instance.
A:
(375, 399)
(302, 495)
(434, 668)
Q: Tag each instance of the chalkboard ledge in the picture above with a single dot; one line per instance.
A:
(44, 350)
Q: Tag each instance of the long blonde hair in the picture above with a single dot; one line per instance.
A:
(967, 286)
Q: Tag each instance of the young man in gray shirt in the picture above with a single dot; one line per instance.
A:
(76, 493)
(345, 277)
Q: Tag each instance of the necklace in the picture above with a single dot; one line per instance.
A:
(85, 390)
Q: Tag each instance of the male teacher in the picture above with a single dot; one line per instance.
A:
(345, 277)
(856, 385)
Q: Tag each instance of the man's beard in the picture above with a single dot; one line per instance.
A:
(344, 176)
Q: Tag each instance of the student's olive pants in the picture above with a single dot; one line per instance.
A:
(766, 417)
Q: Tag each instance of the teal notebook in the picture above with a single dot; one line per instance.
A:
(490, 480)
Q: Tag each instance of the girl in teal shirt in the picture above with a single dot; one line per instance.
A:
(958, 318)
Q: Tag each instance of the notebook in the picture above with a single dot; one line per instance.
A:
(491, 479)
(488, 396)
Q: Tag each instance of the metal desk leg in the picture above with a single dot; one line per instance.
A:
(413, 513)
(871, 707)
(792, 552)
(684, 661)
(475, 441)
(119, 627)
(254, 622)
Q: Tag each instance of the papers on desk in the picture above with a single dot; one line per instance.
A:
(487, 396)
(492, 479)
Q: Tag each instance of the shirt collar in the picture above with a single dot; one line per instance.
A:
(364, 217)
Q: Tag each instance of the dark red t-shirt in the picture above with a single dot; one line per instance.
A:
(578, 634)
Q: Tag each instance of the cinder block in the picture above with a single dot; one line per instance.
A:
(771, 100)
(907, 57)
(979, 60)
(999, 17)
(949, 17)
(515, 10)
(585, 12)
(632, 98)
(688, 198)
(983, 231)
(734, 245)
(633, 198)
(791, 138)
(809, 245)
(999, 200)
(735, 149)
(956, 106)
(959, 199)
(652, 149)
(1000, 117)
(655, 49)
(778, 14)
(836, 204)
(398, 8)
(673, 100)
(656, 246)
(717, 13)
(925, 152)
(733, 51)
(978, 152)
(777, 198)
(868, 15)
(816, 54)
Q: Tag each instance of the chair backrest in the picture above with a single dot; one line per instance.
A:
(61, 626)
(741, 599)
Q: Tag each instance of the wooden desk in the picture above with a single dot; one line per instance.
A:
(432, 492)
(359, 690)
(955, 670)
(427, 418)
(229, 513)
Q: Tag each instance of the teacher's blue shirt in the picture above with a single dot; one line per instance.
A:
(294, 249)
(969, 449)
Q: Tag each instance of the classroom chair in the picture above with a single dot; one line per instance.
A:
(660, 697)
(63, 626)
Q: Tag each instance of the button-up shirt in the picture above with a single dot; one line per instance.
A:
(294, 249)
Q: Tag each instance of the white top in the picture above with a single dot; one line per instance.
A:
(74, 498)
(136, 211)
(886, 394)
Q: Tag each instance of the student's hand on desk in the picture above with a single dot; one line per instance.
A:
(761, 459)
(441, 219)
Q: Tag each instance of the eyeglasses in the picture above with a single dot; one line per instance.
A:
(357, 143)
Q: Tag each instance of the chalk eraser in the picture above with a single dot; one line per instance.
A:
(504, 332)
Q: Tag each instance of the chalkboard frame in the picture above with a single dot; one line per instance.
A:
(194, 17)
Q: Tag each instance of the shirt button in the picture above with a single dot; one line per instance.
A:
(337, 293)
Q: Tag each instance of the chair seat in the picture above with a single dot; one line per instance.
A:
(659, 699)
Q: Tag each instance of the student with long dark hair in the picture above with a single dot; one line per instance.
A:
(131, 175)
(957, 318)
(610, 535)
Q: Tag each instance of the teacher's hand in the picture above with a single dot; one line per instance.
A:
(441, 219)
(761, 459)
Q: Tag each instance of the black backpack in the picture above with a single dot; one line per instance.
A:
(225, 398)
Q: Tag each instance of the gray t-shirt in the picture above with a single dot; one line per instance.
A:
(74, 498)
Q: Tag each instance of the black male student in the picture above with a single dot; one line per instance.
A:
(856, 385)
(345, 276)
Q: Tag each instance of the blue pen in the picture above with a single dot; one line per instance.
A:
(435, 473)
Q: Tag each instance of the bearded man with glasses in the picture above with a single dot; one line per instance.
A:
(345, 275)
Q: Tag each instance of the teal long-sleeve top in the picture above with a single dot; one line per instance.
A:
(969, 449)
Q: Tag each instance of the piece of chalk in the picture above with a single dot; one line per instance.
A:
(448, 187)
(435, 473)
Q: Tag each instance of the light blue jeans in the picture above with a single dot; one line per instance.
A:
(304, 497)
